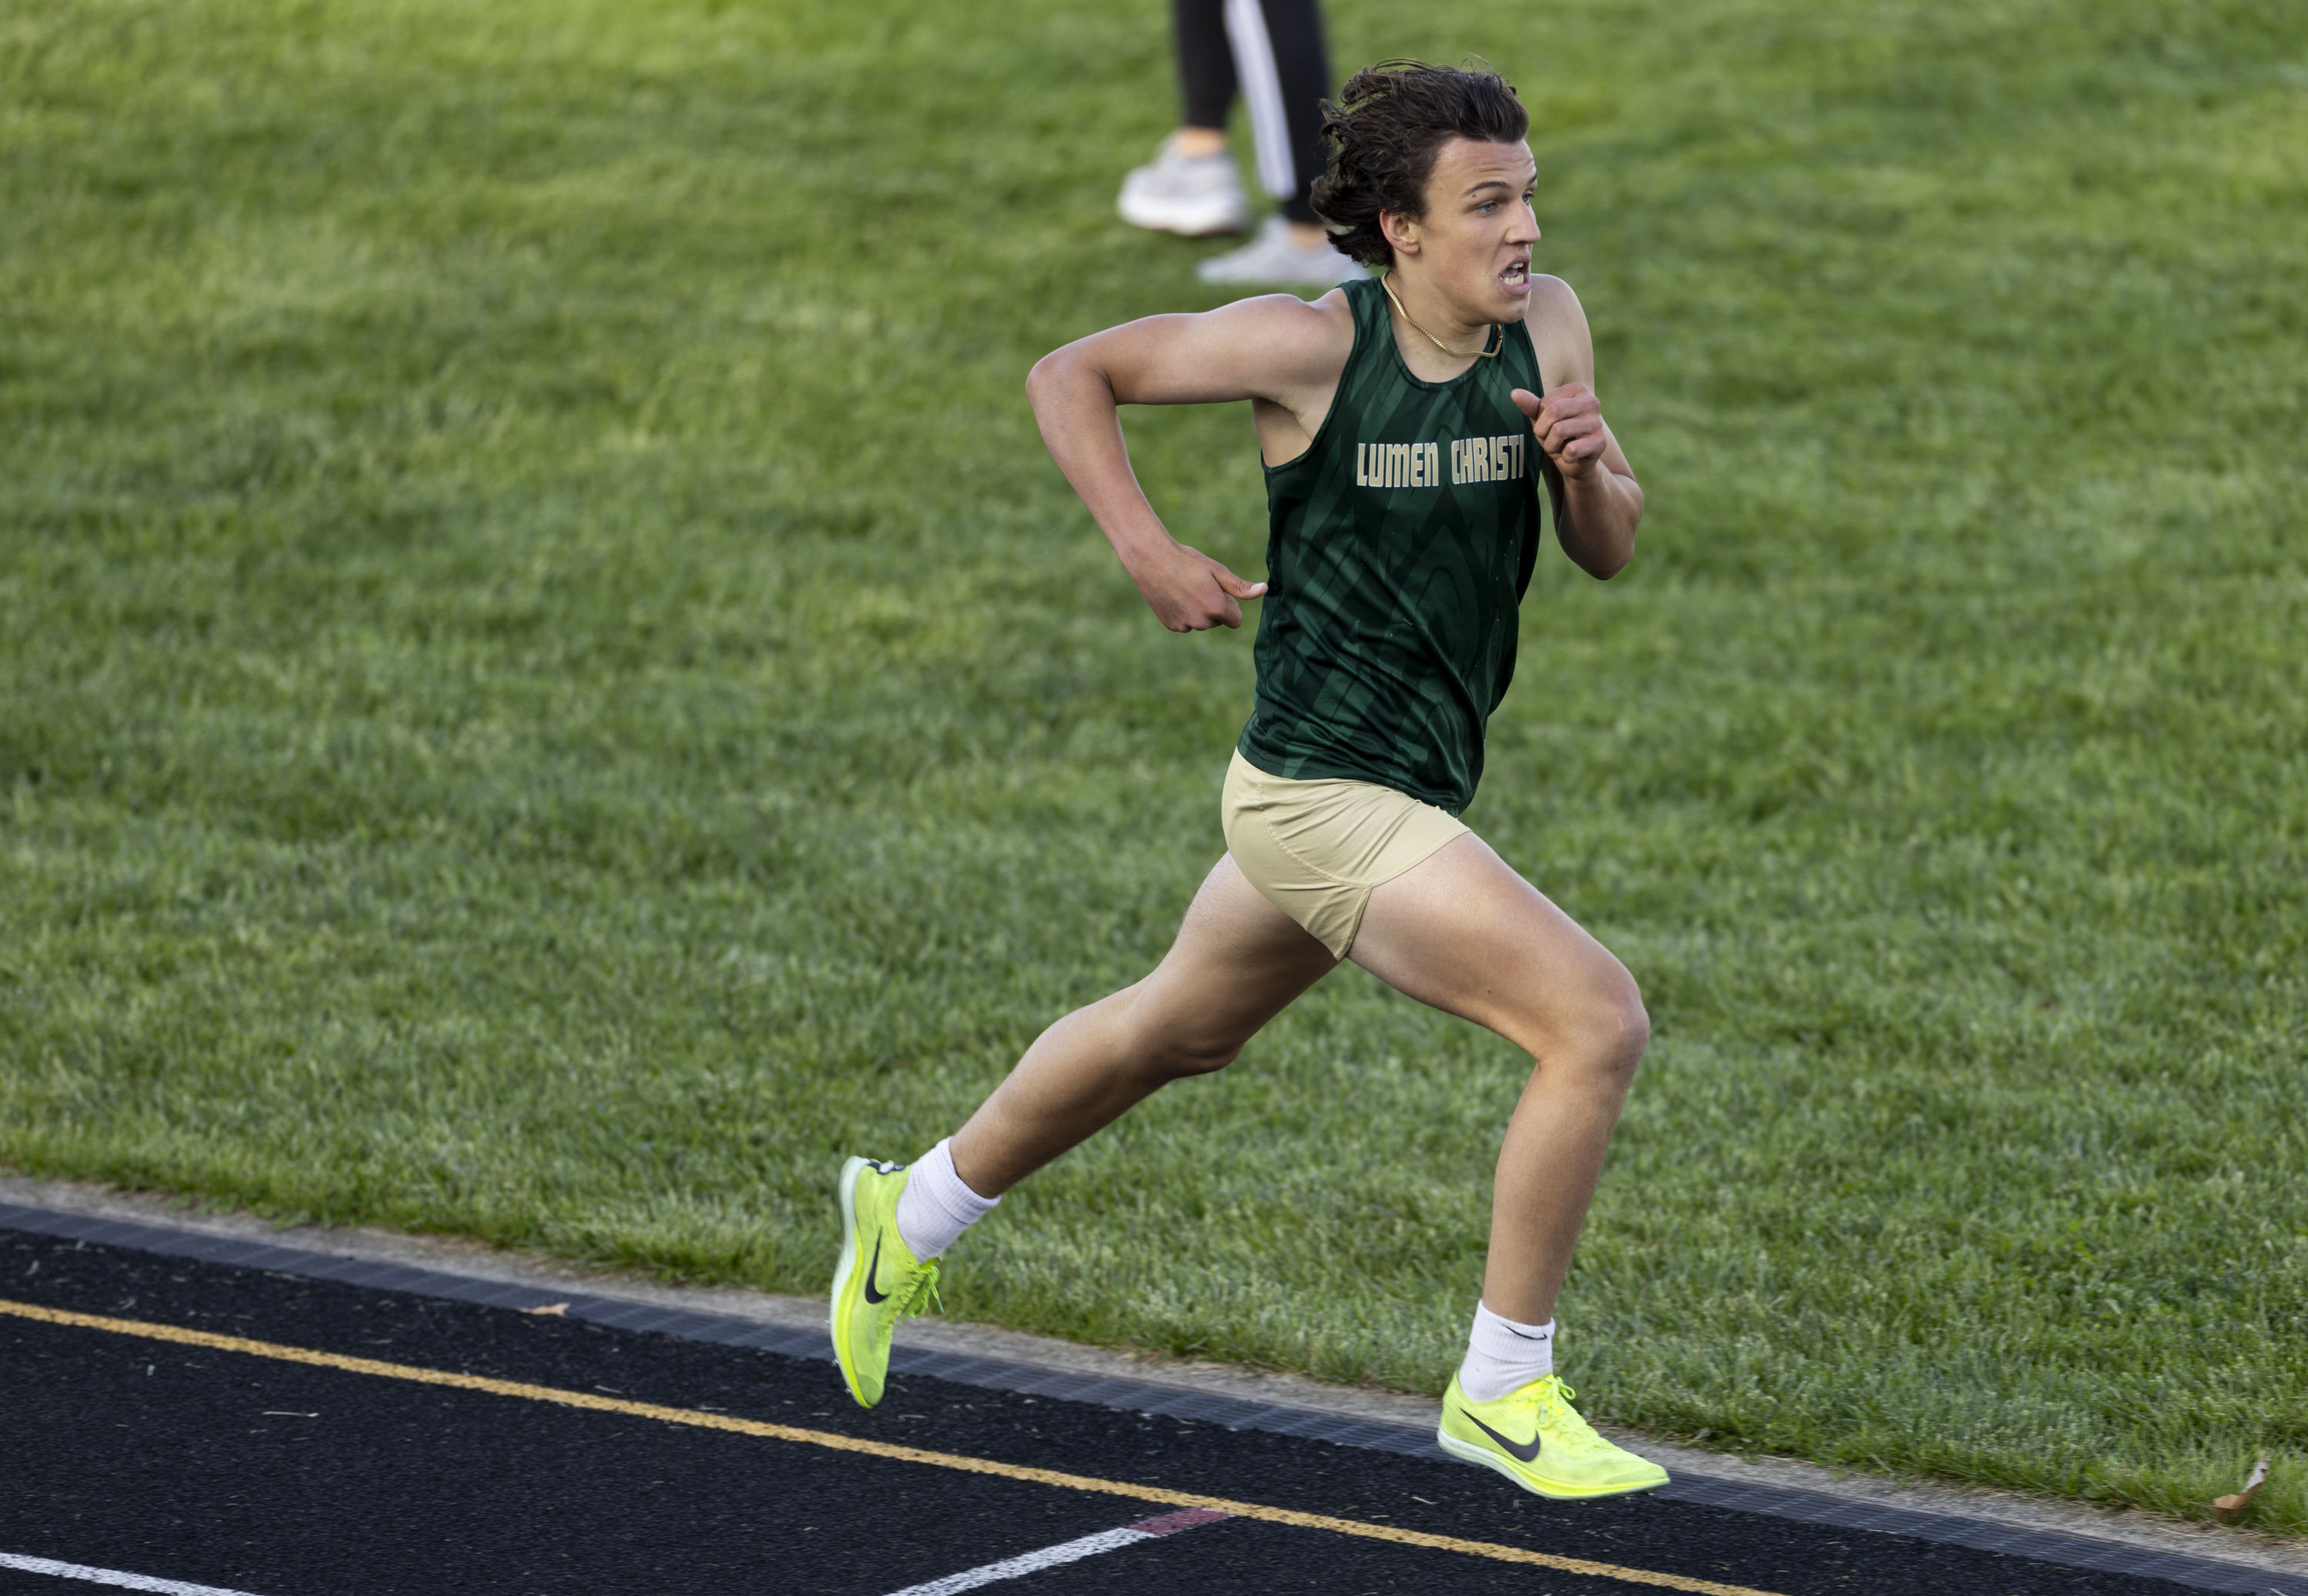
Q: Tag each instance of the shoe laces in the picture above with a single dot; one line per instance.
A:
(1551, 1397)
(919, 1294)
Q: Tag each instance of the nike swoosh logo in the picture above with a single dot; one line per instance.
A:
(1525, 1453)
(872, 1295)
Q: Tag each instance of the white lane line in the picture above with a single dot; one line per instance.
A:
(1066, 1551)
(110, 1576)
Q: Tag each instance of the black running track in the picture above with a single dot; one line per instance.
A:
(184, 1466)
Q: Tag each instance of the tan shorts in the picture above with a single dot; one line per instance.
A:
(1317, 848)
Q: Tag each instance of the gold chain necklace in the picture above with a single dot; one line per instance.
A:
(1438, 343)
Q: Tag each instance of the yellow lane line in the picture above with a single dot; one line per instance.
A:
(914, 1454)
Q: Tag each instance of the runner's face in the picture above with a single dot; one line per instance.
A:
(1475, 240)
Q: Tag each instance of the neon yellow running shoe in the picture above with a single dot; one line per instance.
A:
(878, 1280)
(1535, 1437)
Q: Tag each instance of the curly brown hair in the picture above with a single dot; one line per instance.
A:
(1385, 131)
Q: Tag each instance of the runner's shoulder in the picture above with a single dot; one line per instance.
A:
(1308, 339)
(1554, 306)
(1558, 323)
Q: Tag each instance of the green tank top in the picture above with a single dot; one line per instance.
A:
(1400, 545)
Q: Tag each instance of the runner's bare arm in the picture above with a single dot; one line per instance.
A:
(1277, 348)
(1605, 501)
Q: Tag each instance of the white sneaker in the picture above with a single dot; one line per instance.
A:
(1275, 257)
(1196, 196)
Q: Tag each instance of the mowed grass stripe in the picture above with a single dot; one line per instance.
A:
(818, 1438)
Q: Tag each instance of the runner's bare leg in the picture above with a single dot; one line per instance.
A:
(1237, 962)
(1463, 932)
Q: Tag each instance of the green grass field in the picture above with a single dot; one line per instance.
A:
(548, 691)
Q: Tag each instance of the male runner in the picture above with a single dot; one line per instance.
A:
(1404, 421)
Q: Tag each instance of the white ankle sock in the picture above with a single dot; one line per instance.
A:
(1503, 1356)
(936, 1208)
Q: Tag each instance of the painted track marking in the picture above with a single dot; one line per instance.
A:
(886, 1449)
(110, 1576)
(1065, 1551)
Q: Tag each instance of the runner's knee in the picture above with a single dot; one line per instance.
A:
(1166, 1045)
(1175, 1056)
(1628, 1030)
(1604, 1028)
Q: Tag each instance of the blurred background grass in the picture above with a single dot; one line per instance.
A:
(547, 690)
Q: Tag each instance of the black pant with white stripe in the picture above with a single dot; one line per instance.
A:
(1271, 50)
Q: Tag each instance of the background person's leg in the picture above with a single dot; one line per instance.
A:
(1465, 933)
(1237, 962)
(1189, 187)
(1206, 71)
(1284, 71)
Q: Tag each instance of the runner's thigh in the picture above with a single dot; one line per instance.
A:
(1237, 962)
(1463, 932)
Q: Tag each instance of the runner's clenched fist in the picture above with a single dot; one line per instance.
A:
(1189, 591)
(1568, 424)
